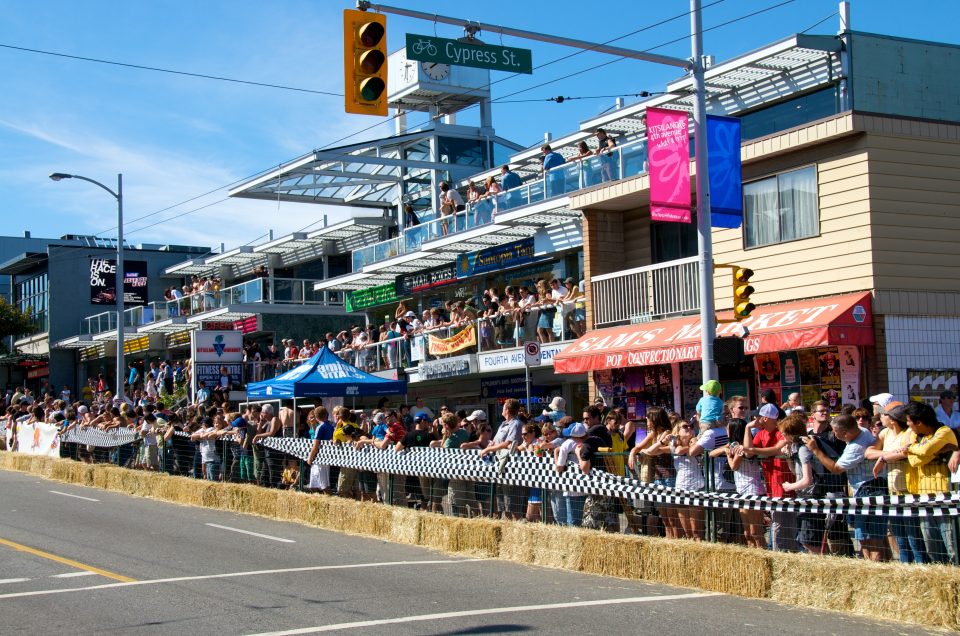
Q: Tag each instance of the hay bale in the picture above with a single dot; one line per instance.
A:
(438, 532)
(313, 510)
(924, 594)
(478, 537)
(369, 519)
(542, 544)
(405, 527)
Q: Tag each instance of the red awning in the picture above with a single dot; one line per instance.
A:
(834, 320)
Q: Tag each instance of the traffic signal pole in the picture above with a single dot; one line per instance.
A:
(694, 65)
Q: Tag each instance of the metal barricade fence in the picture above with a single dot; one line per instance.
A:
(737, 523)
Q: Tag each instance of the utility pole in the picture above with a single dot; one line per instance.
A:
(694, 65)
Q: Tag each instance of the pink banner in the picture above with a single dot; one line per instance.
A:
(668, 146)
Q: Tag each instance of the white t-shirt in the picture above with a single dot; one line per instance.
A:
(454, 197)
(208, 447)
(147, 433)
(711, 439)
(952, 420)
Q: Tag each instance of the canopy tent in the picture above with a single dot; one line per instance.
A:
(324, 375)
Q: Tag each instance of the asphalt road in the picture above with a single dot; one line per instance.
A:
(84, 561)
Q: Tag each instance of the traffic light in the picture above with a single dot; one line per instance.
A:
(365, 62)
(741, 293)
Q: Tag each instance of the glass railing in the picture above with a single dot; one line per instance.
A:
(505, 330)
(287, 291)
(625, 161)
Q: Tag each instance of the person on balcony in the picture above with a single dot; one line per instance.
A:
(450, 203)
(606, 146)
(548, 311)
(553, 181)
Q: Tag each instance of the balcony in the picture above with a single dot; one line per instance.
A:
(626, 161)
(284, 291)
(646, 293)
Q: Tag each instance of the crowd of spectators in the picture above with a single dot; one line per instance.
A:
(894, 448)
(199, 296)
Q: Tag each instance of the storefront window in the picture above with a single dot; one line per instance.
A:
(781, 208)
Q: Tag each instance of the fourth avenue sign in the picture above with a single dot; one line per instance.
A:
(428, 48)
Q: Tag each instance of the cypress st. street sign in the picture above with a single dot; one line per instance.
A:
(428, 48)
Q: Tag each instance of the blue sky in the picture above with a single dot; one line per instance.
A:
(177, 137)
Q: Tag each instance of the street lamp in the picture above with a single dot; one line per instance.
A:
(118, 195)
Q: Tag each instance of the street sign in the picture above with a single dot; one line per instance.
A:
(531, 352)
(429, 48)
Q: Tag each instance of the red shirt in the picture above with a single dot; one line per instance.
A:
(776, 470)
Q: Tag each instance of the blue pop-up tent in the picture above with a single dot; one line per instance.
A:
(324, 375)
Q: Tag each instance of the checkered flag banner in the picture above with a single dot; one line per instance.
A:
(99, 438)
(527, 469)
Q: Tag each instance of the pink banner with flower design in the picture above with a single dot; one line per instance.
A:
(668, 146)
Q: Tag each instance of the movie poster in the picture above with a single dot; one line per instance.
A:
(850, 374)
(809, 367)
(768, 374)
(829, 365)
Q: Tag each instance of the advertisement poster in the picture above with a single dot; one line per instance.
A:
(829, 365)
(735, 387)
(36, 438)
(850, 374)
(103, 282)
(768, 373)
(926, 385)
(809, 367)
(789, 371)
(830, 393)
(669, 164)
(809, 395)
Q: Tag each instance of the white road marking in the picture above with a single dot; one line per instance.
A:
(66, 494)
(2, 581)
(484, 612)
(230, 575)
(253, 534)
(70, 575)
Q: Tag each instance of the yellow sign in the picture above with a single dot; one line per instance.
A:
(457, 342)
(136, 345)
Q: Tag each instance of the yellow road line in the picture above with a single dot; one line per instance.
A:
(65, 561)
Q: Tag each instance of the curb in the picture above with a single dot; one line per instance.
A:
(922, 594)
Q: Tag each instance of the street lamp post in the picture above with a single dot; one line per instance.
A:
(118, 195)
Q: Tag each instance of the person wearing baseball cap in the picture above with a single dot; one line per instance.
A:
(768, 443)
(946, 411)
(556, 410)
(710, 406)
(881, 400)
(570, 503)
(477, 416)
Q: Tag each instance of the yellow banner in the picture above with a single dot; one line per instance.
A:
(456, 342)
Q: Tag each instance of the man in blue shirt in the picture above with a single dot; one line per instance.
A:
(553, 179)
(869, 530)
(508, 178)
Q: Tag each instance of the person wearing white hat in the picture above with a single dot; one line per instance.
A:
(556, 410)
(573, 502)
(881, 400)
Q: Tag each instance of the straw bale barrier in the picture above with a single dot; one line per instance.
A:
(928, 595)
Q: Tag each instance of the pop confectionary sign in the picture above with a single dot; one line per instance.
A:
(429, 48)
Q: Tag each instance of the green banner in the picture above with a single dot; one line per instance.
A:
(364, 298)
(429, 48)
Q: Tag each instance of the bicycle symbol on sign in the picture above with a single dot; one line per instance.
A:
(424, 46)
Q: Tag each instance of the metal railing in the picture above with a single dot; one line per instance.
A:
(287, 291)
(624, 161)
(646, 293)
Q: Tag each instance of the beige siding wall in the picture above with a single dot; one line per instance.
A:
(915, 211)
(637, 249)
(835, 262)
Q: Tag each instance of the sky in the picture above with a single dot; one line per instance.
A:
(181, 141)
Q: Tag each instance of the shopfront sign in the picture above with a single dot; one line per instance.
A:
(789, 326)
(136, 344)
(218, 347)
(103, 282)
(365, 298)
(407, 284)
(505, 359)
(430, 48)
(669, 162)
(447, 368)
(513, 386)
(217, 325)
(495, 258)
(466, 337)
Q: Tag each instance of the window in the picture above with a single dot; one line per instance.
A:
(781, 208)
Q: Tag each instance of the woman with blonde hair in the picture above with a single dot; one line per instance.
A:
(689, 477)
(656, 446)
